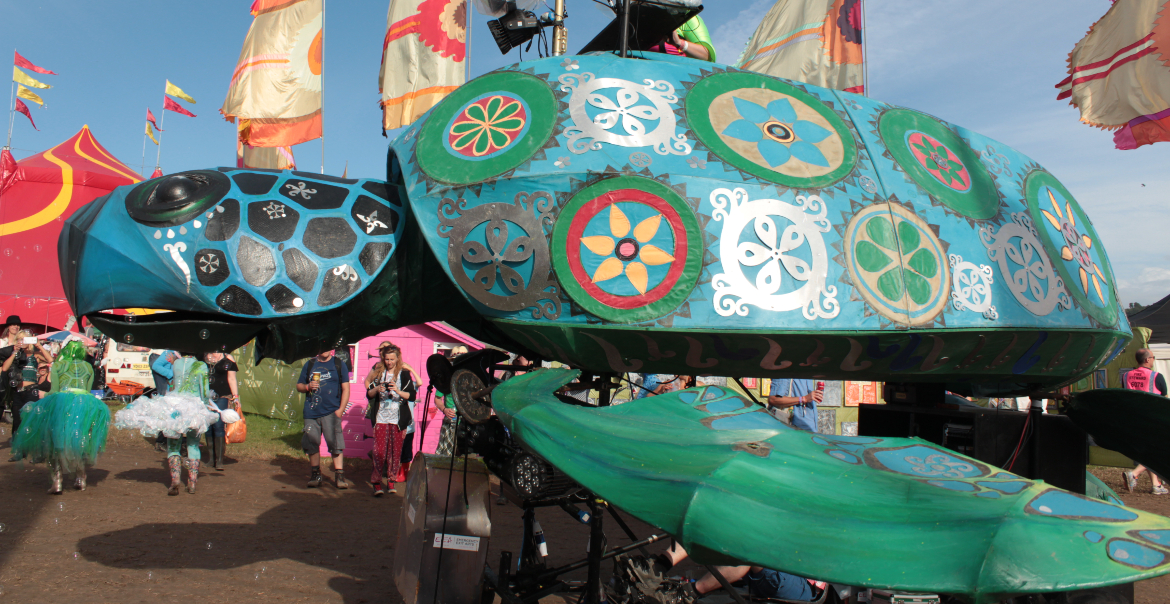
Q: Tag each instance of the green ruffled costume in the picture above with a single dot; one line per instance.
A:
(67, 428)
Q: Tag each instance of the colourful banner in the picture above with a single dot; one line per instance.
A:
(22, 108)
(176, 91)
(422, 57)
(1117, 74)
(170, 105)
(150, 118)
(25, 93)
(275, 90)
(20, 61)
(150, 133)
(21, 77)
(812, 41)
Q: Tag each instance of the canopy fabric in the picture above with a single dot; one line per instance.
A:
(35, 199)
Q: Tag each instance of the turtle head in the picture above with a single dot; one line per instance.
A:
(299, 261)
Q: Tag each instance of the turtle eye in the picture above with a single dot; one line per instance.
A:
(176, 198)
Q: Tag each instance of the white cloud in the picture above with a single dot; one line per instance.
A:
(1149, 286)
(731, 36)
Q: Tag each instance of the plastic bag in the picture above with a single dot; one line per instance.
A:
(238, 431)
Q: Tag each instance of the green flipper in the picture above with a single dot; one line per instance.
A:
(1130, 422)
(731, 483)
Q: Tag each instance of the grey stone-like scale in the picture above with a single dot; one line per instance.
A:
(275, 221)
(222, 225)
(329, 237)
(257, 265)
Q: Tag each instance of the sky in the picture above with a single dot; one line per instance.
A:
(990, 66)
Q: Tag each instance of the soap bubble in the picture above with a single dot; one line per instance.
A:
(75, 555)
(208, 545)
(128, 338)
(61, 506)
(204, 334)
(2, 527)
(55, 521)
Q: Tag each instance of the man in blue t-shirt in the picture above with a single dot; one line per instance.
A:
(325, 382)
(802, 396)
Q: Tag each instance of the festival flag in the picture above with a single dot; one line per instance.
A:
(25, 93)
(275, 90)
(176, 91)
(150, 133)
(150, 118)
(422, 57)
(7, 168)
(170, 105)
(813, 41)
(20, 61)
(21, 77)
(1118, 75)
(22, 108)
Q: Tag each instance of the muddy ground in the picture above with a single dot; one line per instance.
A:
(252, 533)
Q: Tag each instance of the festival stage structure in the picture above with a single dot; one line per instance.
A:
(668, 215)
(37, 194)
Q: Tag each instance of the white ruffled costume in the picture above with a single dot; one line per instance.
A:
(183, 409)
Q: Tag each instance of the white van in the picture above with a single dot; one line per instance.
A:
(124, 362)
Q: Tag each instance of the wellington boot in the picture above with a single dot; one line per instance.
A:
(192, 475)
(175, 464)
(220, 444)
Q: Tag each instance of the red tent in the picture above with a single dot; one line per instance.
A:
(37, 194)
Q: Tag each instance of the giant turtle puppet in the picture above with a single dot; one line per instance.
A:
(669, 215)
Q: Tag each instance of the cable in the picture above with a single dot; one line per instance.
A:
(446, 509)
(1020, 444)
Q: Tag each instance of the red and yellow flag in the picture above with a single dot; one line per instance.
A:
(22, 108)
(275, 90)
(422, 57)
(25, 93)
(20, 61)
(813, 41)
(170, 105)
(150, 118)
(176, 91)
(150, 133)
(21, 77)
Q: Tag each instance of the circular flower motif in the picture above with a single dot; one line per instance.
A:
(770, 128)
(779, 135)
(896, 264)
(631, 249)
(625, 255)
(487, 139)
(939, 161)
(487, 126)
(1071, 241)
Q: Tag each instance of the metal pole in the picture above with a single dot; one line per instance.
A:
(596, 550)
(143, 164)
(11, 114)
(322, 86)
(864, 52)
(625, 48)
(560, 35)
(163, 120)
(467, 26)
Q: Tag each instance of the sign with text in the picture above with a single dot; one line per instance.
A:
(460, 542)
(861, 393)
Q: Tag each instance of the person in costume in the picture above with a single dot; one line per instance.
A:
(182, 415)
(691, 40)
(68, 428)
(222, 379)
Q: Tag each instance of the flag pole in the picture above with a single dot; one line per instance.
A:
(322, 86)
(864, 52)
(143, 164)
(11, 110)
(158, 156)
